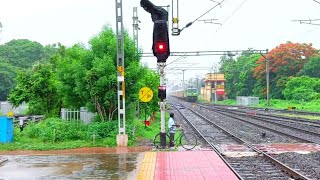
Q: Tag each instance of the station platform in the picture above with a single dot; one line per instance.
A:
(184, 165)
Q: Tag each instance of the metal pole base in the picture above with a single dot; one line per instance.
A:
(163, 140)
(122, 140)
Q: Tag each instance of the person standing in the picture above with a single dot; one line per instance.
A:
(172, 129)
(21, 123)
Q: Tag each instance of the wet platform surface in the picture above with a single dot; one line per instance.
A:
(102, 163)
(184, 165)
(90, 166)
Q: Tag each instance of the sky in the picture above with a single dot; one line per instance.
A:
(256, 24)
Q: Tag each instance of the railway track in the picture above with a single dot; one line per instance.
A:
(258, 165)
(308, 132)
(272, 111)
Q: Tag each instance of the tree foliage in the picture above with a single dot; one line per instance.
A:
(285, 61)
(78, 76)
(36, 86)
(311, 68)
(89, 76)
(302, 88)
(7, 75)
(239, 74)
(21, 52)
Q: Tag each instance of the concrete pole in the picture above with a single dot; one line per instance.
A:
(162, 108)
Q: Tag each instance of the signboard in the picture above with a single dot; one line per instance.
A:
(145, 94)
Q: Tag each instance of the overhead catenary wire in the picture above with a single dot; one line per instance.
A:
(190, 23)
(307, 21)
(316, 1)
(232, 14)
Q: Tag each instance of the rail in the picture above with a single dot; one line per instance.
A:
(285, 168)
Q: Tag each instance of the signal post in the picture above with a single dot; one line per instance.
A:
(161, 50)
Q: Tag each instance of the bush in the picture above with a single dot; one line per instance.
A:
(302, 88)
(54, 133)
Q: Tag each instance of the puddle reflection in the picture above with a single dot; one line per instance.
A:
(93, 166)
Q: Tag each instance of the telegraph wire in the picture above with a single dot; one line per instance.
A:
(232, 13)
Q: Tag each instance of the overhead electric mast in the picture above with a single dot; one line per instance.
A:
(175, 18)
(122, 138)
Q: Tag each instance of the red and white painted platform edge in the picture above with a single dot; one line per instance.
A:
(206, 164)
(184, 165)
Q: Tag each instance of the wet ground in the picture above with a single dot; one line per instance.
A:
(103, 163)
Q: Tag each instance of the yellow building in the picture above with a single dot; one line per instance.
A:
(214, 89)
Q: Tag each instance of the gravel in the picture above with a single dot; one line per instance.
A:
(248, 132)
(307, 164)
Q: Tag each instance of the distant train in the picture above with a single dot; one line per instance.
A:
(189, 94)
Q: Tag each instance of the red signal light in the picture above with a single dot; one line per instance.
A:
(161, 47)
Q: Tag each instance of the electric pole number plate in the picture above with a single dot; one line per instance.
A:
(145, 94)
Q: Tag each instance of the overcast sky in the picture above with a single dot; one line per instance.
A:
(257, 24)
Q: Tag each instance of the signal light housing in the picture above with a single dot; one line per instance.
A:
(162, 93)
(160, 47)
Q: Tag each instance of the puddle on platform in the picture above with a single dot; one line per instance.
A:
(89, 166)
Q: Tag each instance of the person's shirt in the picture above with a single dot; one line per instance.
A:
(171, 125)
(21, 121)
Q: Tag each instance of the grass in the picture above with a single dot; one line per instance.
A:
(57, 134)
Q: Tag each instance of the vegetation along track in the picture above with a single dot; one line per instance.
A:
(305, 131)
(271, 112)
(259, 166)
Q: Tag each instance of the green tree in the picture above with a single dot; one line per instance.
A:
(7, 75)
(36, 87)
(239, 74)
(311, 68)
(245, 65)
(22, 52)
(302, 88)
(286, 60)
(88, 77)
(228, 67)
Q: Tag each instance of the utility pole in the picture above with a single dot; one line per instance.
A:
(0, 28)
(267, 77)
(136, 27)
(122, 138)
(183, 70)
(215, 86)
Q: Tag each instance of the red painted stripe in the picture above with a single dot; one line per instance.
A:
(191, 165)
